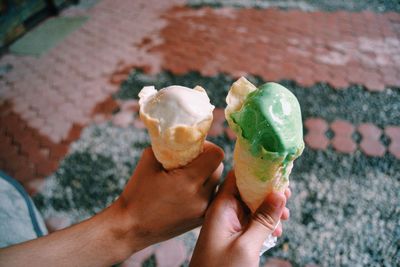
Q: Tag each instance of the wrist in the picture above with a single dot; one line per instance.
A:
(118, 228)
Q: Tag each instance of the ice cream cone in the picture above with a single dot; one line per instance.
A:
(175, 144)
(247, 170)
(257, 174)
(267, 122)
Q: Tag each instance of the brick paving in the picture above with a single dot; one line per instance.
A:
(340, 48)
(370, 143)
(344, 142)
(316, 138)
(56, 95)
(275, 262)
(394, 134)
(46, 100)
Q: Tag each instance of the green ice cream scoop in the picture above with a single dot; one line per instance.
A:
(268, 125)
(270, 120)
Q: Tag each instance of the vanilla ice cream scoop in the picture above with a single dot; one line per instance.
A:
(178, 119)
(176, 105)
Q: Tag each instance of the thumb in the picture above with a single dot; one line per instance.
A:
(206, 163)
(265, 219)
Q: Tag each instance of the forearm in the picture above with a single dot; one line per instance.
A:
(98, 241)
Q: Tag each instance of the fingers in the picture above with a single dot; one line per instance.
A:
(265, 219)
(278, 231)
(285, 214)
(206, 163)
(213, 180)
(229, 186)
(288, 193)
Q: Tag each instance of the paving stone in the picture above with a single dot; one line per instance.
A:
(339, 83)
(230, 133)
(37, 122)
(123, 119)
(277, 262)
(372, 147)
(391, 78)
(35, 155)
(17, 162)
(394, 148)
(342, 127)
(107, 106)
(129, 105)
(46, 167)
(317, 141)
(45, 152)
(316, 125)
(24, 174)
(34, 185)
(374, 85)
(5, 142)
(137, 123)
(137, 259)
(56, 223)
(171, 253)
(99, 118)
(58, 151)
(29, 145)
(74, 133)
(370, 131)
(219, 115)
(343, 144)
(393, 132)
(118, 78)
(216, 129)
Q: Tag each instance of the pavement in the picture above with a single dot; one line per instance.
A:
(56, 105)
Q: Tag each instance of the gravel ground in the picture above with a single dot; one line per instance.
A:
(344, 208)
(105, 156)
(306, 5)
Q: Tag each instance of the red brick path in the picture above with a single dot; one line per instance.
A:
(45, 101)
(26, 154)
(340, 48)
(343, 141)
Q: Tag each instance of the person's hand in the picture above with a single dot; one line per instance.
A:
(232, 236)
(157, 204)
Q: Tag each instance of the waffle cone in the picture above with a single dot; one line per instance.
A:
(247, 169)
(176, 146)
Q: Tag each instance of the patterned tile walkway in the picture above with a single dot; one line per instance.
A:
(340, 48)
(46, 100)
(54, 96)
